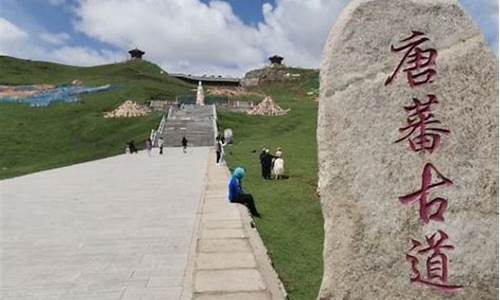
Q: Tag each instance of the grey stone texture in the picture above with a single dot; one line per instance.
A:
(225, 260)
(363, 172)
(239, 280)
(224, 245)
(116, 228)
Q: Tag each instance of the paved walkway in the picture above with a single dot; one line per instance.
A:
(117, 228)
(230, 260)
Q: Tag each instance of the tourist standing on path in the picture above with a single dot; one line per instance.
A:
(237, 194)
(160, 144)
(222, 144)
(218, 149)
(148, 146)
(184, 144)
(131, 147)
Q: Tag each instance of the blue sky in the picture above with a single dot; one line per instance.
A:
(89, 32)
(249, 11)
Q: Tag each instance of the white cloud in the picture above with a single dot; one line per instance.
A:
(192, 37)
(298, 29)
(11, 36)
(189, 36)
(173, 31)
(82, 56)
(15, 41)
(54, 38)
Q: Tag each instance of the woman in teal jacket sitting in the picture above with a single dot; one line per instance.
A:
(236, 193)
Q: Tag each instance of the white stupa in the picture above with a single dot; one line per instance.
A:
(200, 97)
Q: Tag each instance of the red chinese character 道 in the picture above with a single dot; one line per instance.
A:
(423, 131)
(429, 210)
(436, 266)
(419, 63)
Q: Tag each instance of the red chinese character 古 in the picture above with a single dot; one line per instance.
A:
(419, 63)
(423, 132)
(436, 274)
(429, 210)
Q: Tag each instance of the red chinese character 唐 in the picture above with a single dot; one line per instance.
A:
(429, 210)
(436, 266)
(423, 132)
(418, 63)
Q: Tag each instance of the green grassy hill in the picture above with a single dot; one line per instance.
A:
(292, 223)
(61, 134)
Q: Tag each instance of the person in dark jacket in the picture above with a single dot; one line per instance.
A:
(266, 163)
(218, 149)
(131, 147)
(184, 144)
(261, 159)
(160, 144)
(237, 195)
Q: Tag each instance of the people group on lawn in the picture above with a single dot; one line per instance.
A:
(272, 164)
(268, 162)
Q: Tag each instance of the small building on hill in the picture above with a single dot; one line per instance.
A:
(275, 60)
(136, 53)
(208, 80)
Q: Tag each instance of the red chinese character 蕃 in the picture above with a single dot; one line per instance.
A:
(429, 210)
(418, 63)
(423, 131)
(436, 267)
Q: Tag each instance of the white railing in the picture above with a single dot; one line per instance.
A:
(215, 121)
(159, 130)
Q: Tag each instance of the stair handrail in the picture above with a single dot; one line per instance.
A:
(159, 130)
(216, 131)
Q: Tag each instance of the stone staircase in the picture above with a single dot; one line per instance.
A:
(195, 122)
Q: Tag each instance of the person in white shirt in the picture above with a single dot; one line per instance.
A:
(278, 164)
(221, 159)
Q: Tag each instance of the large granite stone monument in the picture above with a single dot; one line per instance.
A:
(408, 154)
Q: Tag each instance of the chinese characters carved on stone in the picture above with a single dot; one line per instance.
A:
(418, 64)
(423, 131)
(429, 210)
(436, 261)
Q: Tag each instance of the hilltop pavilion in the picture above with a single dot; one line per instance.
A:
(276, 60)
(136, 53)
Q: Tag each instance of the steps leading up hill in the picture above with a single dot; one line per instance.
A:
(194, 122)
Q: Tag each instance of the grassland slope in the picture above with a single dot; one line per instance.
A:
(35, 139)
(292, 223)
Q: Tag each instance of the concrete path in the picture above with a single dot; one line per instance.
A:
(117, 228)
(230, 261)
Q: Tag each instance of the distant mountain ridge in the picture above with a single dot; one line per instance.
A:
(24, 71)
